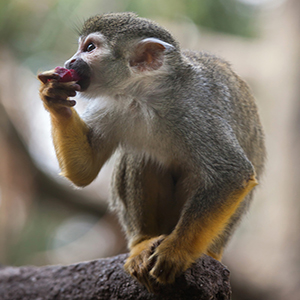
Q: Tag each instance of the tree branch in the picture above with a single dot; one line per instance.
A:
(106, 279)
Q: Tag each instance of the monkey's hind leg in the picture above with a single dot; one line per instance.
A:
(142, 194)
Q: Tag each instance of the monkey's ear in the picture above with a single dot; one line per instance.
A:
(148, 54)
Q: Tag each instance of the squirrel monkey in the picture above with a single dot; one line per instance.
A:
(189, 142)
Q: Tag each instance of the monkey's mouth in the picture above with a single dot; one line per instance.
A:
(84, 74)
(84, 82)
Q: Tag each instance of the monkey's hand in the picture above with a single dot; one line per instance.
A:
(54, 93)
(158, 260)
(138, 264)
(169, 260)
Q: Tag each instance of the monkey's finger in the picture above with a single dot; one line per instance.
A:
(142, 275)
(48, 75)
(57, 90)
(148, 284)
(76, 87)
(148, 281)
(151, 262)
(164, 275)
(70, 86)
(157, 243)
(61, 102)
(159, 267)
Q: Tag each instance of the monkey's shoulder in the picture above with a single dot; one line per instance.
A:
(217, 71)
(205, 59)
(211, 66)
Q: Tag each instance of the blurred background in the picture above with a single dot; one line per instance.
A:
(44, 220)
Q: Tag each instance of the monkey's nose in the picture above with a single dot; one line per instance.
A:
(69, 63)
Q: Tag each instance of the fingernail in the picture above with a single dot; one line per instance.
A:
(77, 87)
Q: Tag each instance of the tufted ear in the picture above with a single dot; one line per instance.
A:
(148, 54)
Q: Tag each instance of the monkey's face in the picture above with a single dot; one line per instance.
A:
(108, 68)
(96, 62)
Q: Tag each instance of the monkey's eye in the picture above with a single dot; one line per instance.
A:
(90, 47)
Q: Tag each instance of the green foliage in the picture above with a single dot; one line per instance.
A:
(40, 34)
(27, 28)
(229, 16)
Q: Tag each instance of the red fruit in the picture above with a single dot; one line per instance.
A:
(67, 75)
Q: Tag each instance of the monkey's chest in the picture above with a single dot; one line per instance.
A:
(148, 141)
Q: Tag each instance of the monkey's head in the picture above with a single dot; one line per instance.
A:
(115, 49)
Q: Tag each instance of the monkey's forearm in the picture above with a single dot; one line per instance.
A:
(194, 234)
(78, 160)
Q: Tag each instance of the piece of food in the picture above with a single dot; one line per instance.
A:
(67, 75)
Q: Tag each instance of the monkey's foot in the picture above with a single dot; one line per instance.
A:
(138, 264)
(169, 261)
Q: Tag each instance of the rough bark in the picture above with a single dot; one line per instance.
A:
(106, 279)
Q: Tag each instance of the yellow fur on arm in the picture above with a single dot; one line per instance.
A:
(77, 159)
(206, 230)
